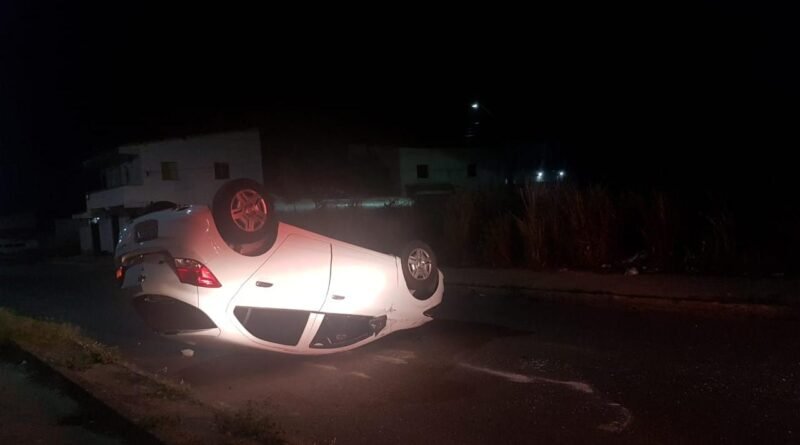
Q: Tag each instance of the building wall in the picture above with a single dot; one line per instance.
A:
(107, 243)
(195, 158)
(445, 166)
(136, 183)
(85, 235)
(127, 173)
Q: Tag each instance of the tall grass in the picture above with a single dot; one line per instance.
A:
(464, 223)
(549, 226)
(533, 227)
(660, 229)
(499, 240)
(718, 251)
(563, 226)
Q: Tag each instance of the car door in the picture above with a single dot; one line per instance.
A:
(295, 277)
(362, 281)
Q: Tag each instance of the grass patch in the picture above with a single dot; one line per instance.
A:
(60, 343)
(248, 423)
(163, 388)
(154, 385)
(577, 226)
(63, 344)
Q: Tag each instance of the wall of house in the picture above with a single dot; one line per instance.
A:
(85, 235)
(127, 173)
(445, 166)
(195, 158)
(107, 243)
(138, 182)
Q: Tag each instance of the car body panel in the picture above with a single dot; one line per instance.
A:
(296, 276)
(357, 278)
(308, 272)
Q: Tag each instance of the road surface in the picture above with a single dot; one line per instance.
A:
(490, 369)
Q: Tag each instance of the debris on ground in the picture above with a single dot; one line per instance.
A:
(632, 271)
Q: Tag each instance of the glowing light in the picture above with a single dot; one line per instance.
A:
(561, 173)
(475, 106)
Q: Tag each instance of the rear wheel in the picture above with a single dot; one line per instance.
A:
(420, 269)
(244, 213)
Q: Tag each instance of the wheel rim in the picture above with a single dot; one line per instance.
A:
(419, 264)
(249, 210)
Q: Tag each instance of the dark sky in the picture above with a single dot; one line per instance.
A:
(703, 93)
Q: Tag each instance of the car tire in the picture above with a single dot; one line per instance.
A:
(244, 213)
(420, 269)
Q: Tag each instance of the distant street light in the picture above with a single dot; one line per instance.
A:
(561, 174)
(475, 106)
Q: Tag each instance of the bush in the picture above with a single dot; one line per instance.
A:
(462, 228)
(565, 225)
(499, 240)
(249, 423)
(661, 223)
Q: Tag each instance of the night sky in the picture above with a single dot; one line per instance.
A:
(700, 96)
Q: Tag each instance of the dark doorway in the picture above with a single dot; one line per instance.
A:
(115, 229)
(95, 237)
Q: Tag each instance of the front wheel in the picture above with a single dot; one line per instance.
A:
(244, 212)
(420, 269)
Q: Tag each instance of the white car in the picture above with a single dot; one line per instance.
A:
(232, 273)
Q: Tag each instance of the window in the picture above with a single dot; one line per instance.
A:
(222, 170)
(169, 171)
(422, 171)
(472, 170)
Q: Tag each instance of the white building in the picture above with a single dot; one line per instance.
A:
(409, 171)
(184, 171)
(427, 170)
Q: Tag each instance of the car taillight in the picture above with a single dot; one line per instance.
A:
(194, 272)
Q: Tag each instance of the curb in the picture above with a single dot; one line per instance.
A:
(767, 308)
(121, 427)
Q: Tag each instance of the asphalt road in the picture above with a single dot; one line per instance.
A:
(491, 369)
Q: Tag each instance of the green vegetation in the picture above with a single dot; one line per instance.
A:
(248, 423)
(59, 343)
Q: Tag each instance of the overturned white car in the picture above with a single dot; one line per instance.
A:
(232, 273)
